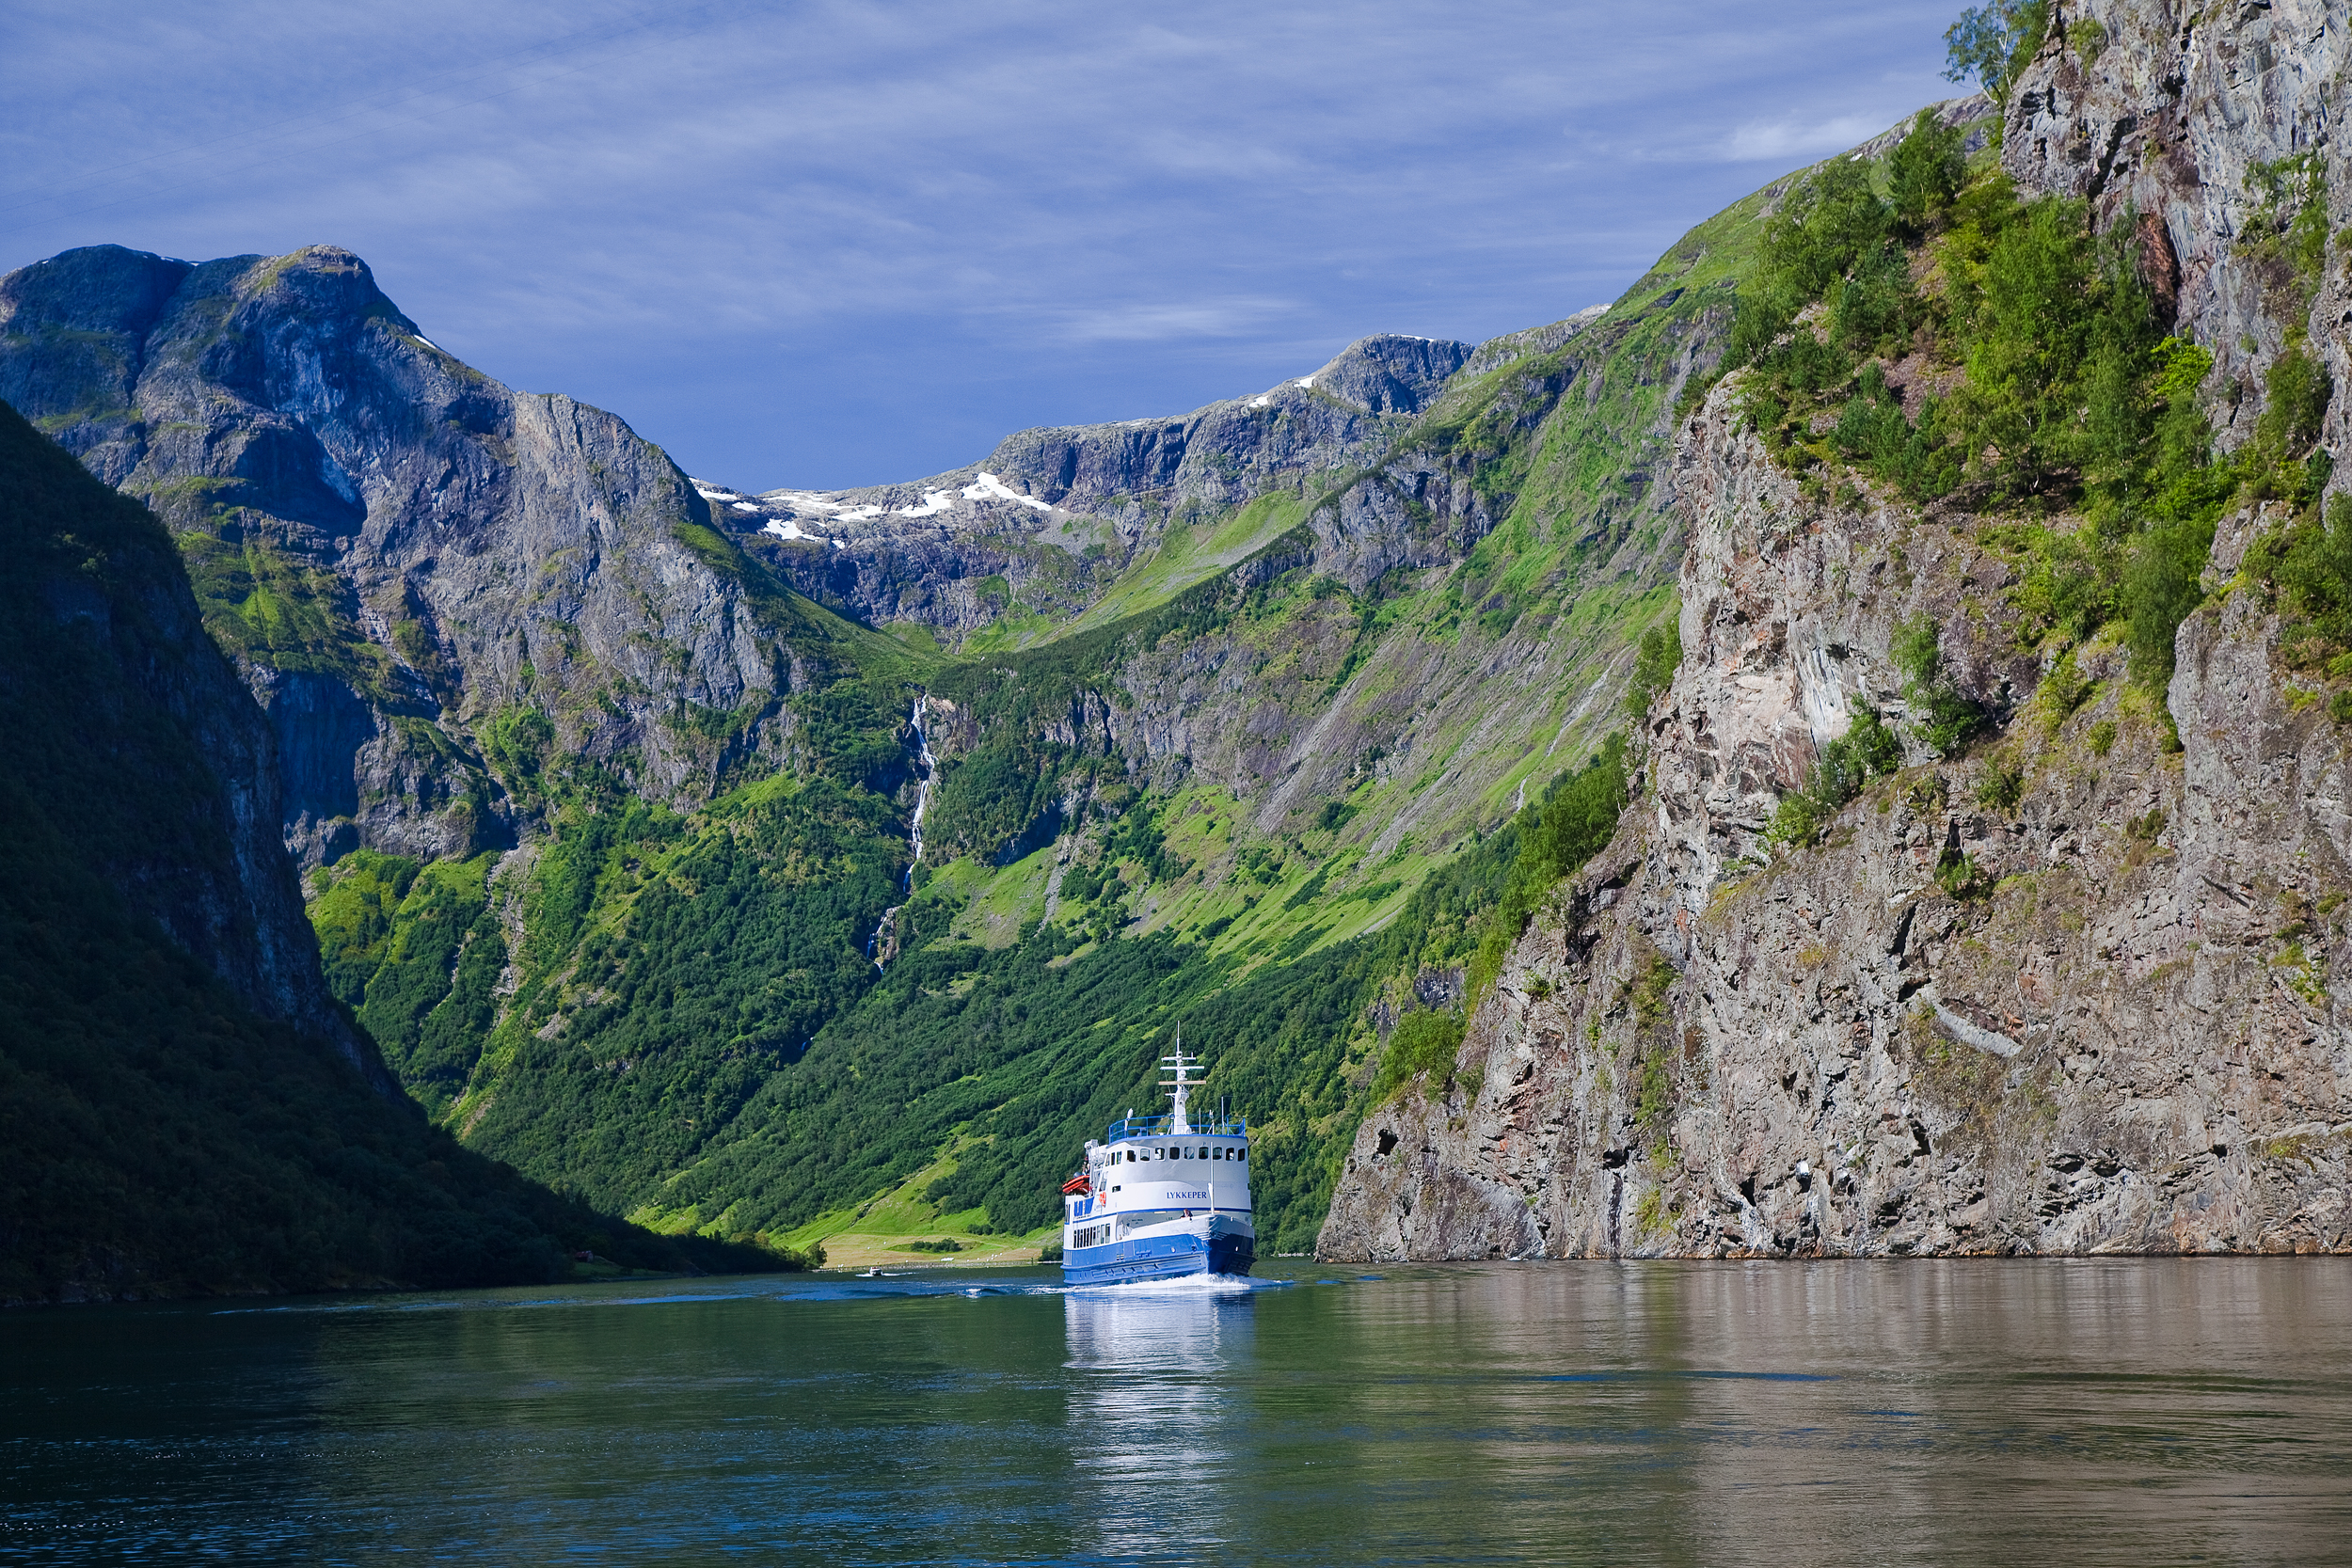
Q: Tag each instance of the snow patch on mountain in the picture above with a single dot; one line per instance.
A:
(988, 485)
(784, 527)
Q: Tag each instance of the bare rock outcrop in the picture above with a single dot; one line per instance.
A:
(2095, 1011)
(1047, 521)
(397, 548)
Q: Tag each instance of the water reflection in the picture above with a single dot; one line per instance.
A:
(1848, 1412)
(1153, 1372)
(2122, 1411)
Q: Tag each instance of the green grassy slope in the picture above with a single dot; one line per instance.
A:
(1016, 1055)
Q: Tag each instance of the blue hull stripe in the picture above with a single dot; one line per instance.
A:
(1158, 1257)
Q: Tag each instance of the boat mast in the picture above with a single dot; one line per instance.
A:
(1178, 1065)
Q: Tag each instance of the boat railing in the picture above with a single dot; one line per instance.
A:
(1161, 1127)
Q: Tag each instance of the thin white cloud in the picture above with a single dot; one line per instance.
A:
(1797, 136)
(1171, 322)
(836, 242)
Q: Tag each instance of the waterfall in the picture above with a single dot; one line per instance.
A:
(874, 948)
(878, 946)
(922, 784)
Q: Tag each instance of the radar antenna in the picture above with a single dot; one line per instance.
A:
(1177, 1065)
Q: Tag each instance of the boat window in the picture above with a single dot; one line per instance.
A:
(1243, 1155)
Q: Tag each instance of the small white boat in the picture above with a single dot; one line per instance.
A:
(1161, 1198)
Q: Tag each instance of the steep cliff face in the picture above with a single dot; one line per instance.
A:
(2095, 1017)
(108, 659)
(184, 1110)
(399, 549)
(2074, 991)
(2164, 118)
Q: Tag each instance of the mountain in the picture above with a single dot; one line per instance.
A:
(605, 779)
(1987, 888)
(185, 1108)
(1585, 791)
(406, 557)
(1010, 550)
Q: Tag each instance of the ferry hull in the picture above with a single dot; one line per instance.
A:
(1159, 1258)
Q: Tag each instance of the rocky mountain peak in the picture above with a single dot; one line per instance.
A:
(398, 549)
(1391, 373)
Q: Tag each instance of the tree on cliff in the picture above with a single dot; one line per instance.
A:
(1992, 42)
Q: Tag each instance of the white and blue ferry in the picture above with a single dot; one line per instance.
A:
(1161, 1198)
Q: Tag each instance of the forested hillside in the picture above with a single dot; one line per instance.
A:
(183, 1110)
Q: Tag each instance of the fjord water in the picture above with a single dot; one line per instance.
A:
(2125, 1411)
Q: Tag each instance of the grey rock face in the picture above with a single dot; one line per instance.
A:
(2099, 1019)
(1391, 374)
(1495, 352)
(416, 549)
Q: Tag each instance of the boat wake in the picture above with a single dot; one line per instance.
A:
(1183, 1285)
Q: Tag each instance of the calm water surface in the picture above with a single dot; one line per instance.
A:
(2089, 1412)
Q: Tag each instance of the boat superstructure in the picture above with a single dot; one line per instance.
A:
(1161, 1197)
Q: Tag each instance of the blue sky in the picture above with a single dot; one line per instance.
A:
(828, 245)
